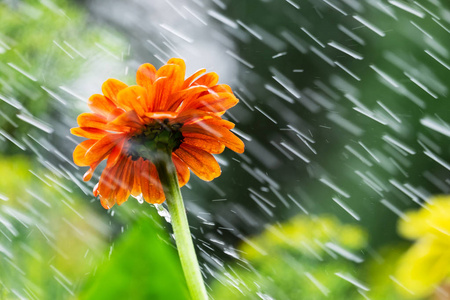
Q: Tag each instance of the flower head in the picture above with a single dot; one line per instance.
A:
(426, 265)
(164, 108)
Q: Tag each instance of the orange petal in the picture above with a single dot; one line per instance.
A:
(222, 134)
(212, 102)
(184, 95)
(88, 175)
(208, 79)
(115, 113)
(125, 122)
(136, 190)
(170, 79)
(150, 184)
(133, 98)
(183, 173)
(210, 145)
(113, 157)
(101, 149)
(111, 87)
(80, 152)
(91, 120)
(179, 62)
(192, 116)
(88, 132)
(203, 164)
(107, 184)
(221, 88)
(146, 75)
(100, 105)
(123, 184)
(191, 78)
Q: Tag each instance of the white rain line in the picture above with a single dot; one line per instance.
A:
(36, 123)
(287, 87)
(399, 144)
(54, 95)
(195, 15)
(369, 181)
(421, 30)
(394, 209)
(293, 4)
(278, 93)
(398, 167)
(369, 25)
(433, 125)
(312, 37)
(400, 284)
(104, 49)
(346, 124)
(351, 35)
(404, 190)
(347, 70)
(407, 8)
(73, 94)
(323, 289)
(298, 204)
(421, 85)
(301, 133)
(440, 24)
(346, 208)
(307, 144)
(369, 115)
(385, 76)
(346, 50)
(358, 155)
(335, 7)
(295, 152)
(242, 134)
(420, 194)
(353, 281)
(368, 151)
(437, 159)
(425, 9)
(437, 59)
(12, 140)
(221, 18)
(239, 59)
(266, 115)
(344, 253)
(322, 55)
(62, 49)
(74, 50)
(251, 31)
(389, 112)
(279, 54)
(176, 33)
(29, 76)
(334, 187)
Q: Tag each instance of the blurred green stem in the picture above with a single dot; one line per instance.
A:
(169, 180)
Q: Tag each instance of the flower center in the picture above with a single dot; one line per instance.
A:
(157, 135)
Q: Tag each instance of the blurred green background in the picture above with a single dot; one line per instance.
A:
(344, 112)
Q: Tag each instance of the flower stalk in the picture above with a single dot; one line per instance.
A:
(168, 177)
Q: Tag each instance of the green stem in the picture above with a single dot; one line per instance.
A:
(169, 180)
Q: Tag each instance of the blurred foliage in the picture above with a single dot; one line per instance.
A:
(143, 265)
(43, 45)
(49, 239)
(54, 246)
(426, 265)
(295, 260)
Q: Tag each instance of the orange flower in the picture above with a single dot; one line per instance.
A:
(163, 107)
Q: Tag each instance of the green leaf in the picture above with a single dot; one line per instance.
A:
(142, 265)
